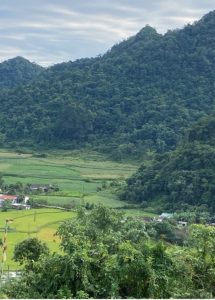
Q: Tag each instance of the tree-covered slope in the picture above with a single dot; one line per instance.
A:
(17, 71)
(182, 177)
(140, 95)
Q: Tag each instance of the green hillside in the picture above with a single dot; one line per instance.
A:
(182, 178)
(141, 95)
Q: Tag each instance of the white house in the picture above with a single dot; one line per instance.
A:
(164, 216)
(13, 199)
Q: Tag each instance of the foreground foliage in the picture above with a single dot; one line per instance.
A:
(106, 255)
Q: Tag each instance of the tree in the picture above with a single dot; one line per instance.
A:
(5, 206)
(29, 251)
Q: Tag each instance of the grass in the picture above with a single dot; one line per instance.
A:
(76, 174)
(41, 223)
(106, 199)
(71, 173)
(138, 213)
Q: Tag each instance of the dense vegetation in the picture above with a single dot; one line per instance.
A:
(139, 96)
(107, 255)
(182, 178)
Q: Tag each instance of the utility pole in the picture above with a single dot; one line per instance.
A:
(35, 216)
(4, 246)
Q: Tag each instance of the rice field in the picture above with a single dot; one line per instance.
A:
(76, 174)
(80, 177)
(40, 223)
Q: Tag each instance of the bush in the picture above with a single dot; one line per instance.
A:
(5, 206)
(37, 202)
(40, 155)
(68, 205)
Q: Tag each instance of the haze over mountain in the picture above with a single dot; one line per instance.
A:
(141, 95)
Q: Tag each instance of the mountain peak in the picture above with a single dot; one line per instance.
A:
(146, 33)
(148, 30)
(20, 59)
(208, 18)
(18, 70)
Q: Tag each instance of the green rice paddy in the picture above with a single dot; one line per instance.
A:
(80, 176)
(41, 223)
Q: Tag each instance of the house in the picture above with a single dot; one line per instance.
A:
(182, 223)
(40, 187)
(14, 200)
(164, 216)
(26, 198)
(11, 198)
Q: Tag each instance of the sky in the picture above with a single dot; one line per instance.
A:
(52, 31)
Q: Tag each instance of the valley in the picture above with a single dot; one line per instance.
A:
(107, 170)
(84, 179)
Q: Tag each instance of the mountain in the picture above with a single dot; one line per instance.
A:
(18, 71)
(141, 95)
(182, 178)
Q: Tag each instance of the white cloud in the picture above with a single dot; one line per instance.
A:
(52, 31)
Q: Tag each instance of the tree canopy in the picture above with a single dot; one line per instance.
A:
(108, 255)
(182, 178)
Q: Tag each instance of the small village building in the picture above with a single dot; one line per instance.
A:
(164, 216)
(40, 187)
(182, 223)
(13, 199)
(26, 198)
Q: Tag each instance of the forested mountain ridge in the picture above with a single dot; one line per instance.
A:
(180, 179)
(141, 95)
(18, 71)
